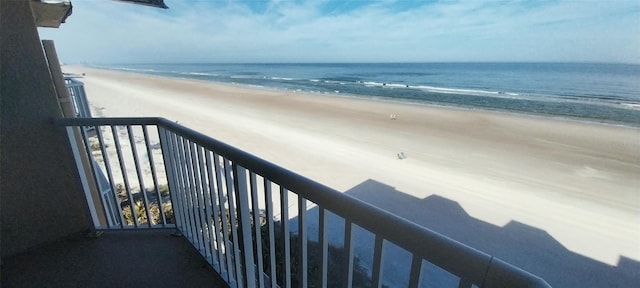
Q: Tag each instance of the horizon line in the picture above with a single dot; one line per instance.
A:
(355, 62)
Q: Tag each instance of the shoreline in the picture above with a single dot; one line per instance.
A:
(451, 106)
(574, 181)
(401, 101)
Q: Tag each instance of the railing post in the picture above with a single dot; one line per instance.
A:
(100, 184)
(67, 110)
(83, 176)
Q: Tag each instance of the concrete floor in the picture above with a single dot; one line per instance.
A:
(115, 259)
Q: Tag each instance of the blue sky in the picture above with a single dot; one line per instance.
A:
(103, 31)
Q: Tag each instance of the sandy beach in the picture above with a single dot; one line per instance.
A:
(573, 187)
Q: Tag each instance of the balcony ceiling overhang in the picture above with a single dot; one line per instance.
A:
(51, 13)
(152, 3)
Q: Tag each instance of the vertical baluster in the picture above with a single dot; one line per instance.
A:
(244, 217)
(190, 188)
(136, 162)
(257, 228)
(180, 191)
(416, 271)
(221, 181)
(196, 196)
(154, 174)
(284, 219)
(324, 246)
(348, 257)
(220, 177)
(214, 214)
(193, 194)
(378, 258)
(107, 165)
(302, 236)
(234, 222)
(125, 178)
(268, 197)
(205, 217)
(184, 191)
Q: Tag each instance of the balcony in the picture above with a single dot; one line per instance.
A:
(172, 207)
(254, 223)
(168, 206)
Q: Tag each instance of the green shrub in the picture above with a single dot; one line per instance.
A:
(142, 214)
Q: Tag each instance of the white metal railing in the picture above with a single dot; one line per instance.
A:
(260, 225)
(126, 164)
(75, 88)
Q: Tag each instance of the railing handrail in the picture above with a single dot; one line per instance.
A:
(453, 256)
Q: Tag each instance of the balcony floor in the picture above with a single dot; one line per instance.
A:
(115, 259)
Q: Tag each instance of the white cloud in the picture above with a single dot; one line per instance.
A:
(286, 31)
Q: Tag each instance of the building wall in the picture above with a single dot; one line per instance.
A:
(42, 198)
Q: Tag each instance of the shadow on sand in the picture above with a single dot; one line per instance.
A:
(524, 246)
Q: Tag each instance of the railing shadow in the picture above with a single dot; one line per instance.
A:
(527, 247)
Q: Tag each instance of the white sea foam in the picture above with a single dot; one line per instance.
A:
(371, 83)
(386, 85)
(199, 74)
(456, 90)
(445, 90)
(136, 70)
(635, 106)
(244, 77)
(392, 85)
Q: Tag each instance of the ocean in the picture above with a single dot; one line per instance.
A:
(608, 93)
